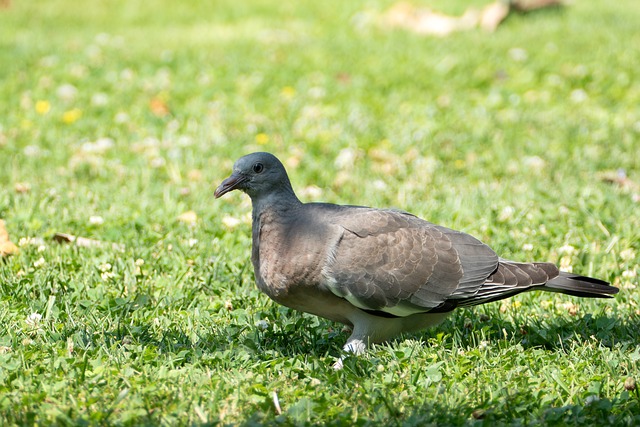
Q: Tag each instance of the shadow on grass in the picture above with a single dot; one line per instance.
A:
(554, 333)
(467, 329)
(284, 333)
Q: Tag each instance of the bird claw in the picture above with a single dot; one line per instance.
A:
(338, 365)
(352, 347)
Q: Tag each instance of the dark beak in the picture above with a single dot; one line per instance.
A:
(229, 184)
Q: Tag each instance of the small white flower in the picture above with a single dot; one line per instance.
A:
(518, 54)
(629, 274)
(627, 254)
(39, 263)
(578, 96)
(127, 74)
(506, 213)
(33, 319)
(379, 184)
(100, 146)
(103, 144)
(67, 92)
(42, 248)
(105, 267)
(527, 247)
(534, 162)
(96, 220)
(317, 92)
(158, 162)
(32, 151)
(106, 275)
(230, 221)
(565, 264)
(121, 117)
(139, 262)
(102, 38)
(311, 192)
(591, 399)
(346, 158)
(99, 99)
(483, 344)
(262, 324)
(193, 242)
(567, 249)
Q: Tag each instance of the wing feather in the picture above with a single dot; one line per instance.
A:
(395, 262)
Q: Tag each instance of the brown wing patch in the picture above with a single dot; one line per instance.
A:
(388, 259)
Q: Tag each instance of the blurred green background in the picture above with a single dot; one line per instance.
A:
(119, 118)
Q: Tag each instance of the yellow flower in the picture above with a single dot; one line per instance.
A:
(288, 92)
(42, 107)
(71, 116)
(262, 138)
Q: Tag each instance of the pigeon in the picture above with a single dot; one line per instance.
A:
(381, 272)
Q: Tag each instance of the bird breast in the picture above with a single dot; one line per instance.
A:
(285, 254)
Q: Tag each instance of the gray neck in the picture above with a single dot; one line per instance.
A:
(284, 199)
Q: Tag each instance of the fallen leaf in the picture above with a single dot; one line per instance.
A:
(425, 21)
(159, 107)
(22, 187)
(493, 14)
(620, 179)
(343, 78)
(6, 246)
(84, 242)
(194, 175)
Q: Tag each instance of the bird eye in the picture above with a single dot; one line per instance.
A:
(258, 167)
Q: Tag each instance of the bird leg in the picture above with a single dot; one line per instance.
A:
(356, 345)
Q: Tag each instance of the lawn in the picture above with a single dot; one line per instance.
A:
(118, 119)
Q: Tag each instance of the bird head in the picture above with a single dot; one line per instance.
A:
(256, 174)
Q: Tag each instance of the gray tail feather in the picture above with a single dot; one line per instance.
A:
(580, 286)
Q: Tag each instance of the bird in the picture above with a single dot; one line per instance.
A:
(381, 272)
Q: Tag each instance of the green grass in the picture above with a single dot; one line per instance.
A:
(453, 129)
